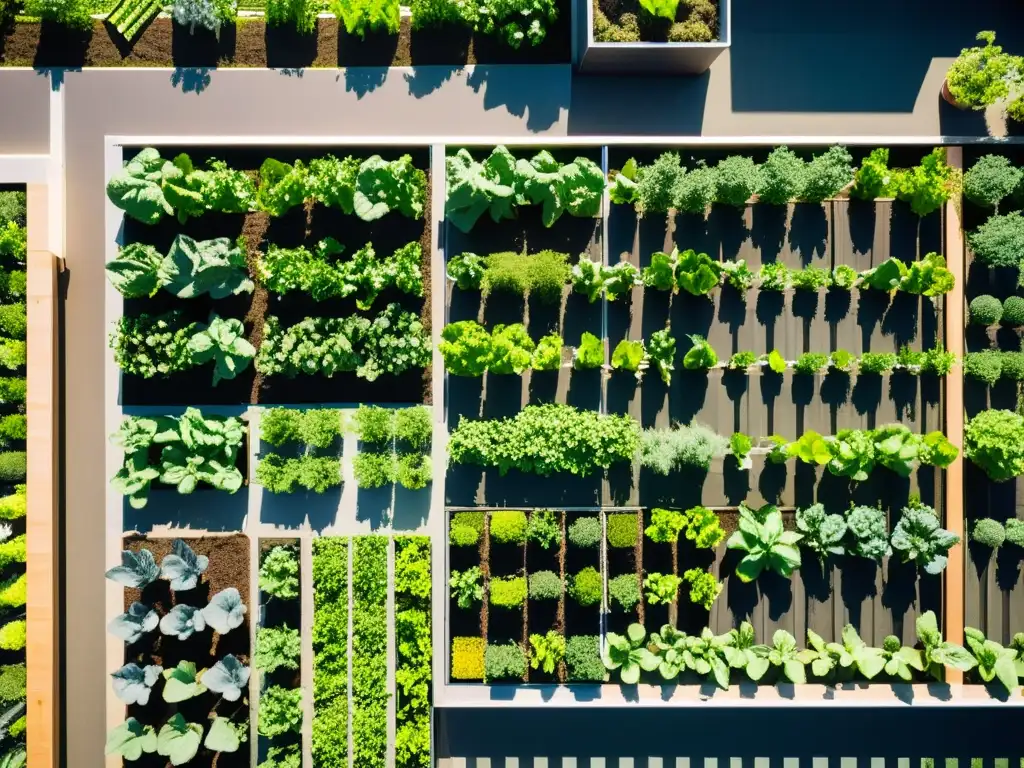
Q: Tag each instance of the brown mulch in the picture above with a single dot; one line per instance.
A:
(251, 43)
(254, 230)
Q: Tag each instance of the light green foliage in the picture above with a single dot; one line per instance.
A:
(738, 179)
(999, 242)
(13, 207)
(548, 650)
(14, 506)
(590, 352)
(827, 174)
(926, 186)
(468, 658)
(280, 711)
(130, 740)
(738, 275)
(13, 320)
(703, 528)
(661, 348)
(661, 588)
(991, 179)
(876, 363)
(545, 585)
(583, 659)
(810, 278)
(13, 242)
(279, 573)
(541, 275)
(767, 544)
(696, 273)
(994, 440)
(466, 269)
(300, 14)
(507, 592)
(466, 587)
(474, 520)
(919, 537)
(987, 532)
(362, 16)
(13, 678)
(986, 310)
(774, 276)
(656, 183)
(981, 75)
(585, 587)
(630, 356)
(277, 648)
(374, 425)
(664, 450)
(629, 654)
(413, 471)
(704, 587)
(138, 188)
(548, 354)
(823, 533)
(873, 178)
(427, 14)
(1015, 532)
(463, 536)
(279, 474)
(546, 438)
(697, 189)
(508, 527)
(374, 470)
(994, 662)
(544, 528)
(869, 531)
(414, 652)
(584, 532)
(622, 531)
(782, 177)
(466, 348)
(666, 525)
(742, 360)
(12, 551)
(369, 643)
(810, 363)
(511, 349)
(624, 592)
(986, 365)
(504, 662)
(701, 356)
(412, 566)
(12, 635)
(937, 652)
(330, 650)
(13, 465)
(844, 276)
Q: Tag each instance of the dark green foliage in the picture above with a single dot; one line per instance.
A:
(657, 182)
(999, 242)
(622, 531)
(584, 532)
(585, 587)
(782, 177)
(545, 585)
(583, 659)
(990, 179)
(1012, 366)
(541, 275)
(330, 649)
(738, 179)
(1013, 312)
(986, 310)
(827, 174)
(504, 662)
(624, 592)
(13, 465)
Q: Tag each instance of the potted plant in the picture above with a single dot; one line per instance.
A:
(981, 75)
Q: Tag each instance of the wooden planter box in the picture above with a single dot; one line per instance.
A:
(592, 57)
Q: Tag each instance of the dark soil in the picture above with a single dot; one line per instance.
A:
(251, 43)
(229, 567)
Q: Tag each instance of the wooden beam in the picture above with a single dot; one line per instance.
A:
(953, 593)
(42, 525)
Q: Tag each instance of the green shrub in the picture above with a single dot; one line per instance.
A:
(463, 536)
(545, 585)
(999, 242)
(290, 755)
(320, 427)
(280, 711)
(541, 275)
(827, 174)
(507, 592)
(585, 587)
(584, 532)
(13, 465)
(374, 424)
(1015, 109)
(981, 75)
(986, 310)
(624, 591)
(986, 365)
(690, 31)
(622, 531)
(583, 659)
(300, 14)
(875, 363)
(413, 427)
(989, 532)
(18, 727)
(1013, 312)
(280, 425)
(374, 470)
(544, 528)
(504, 662)
(810, 363)
(696, 190)
(280, 474)
(994, 440)
(926, 186)
(738, 179)
(413, 470)
(468, 658)
(12, 390)
(330, 648)
(1012, 366)
(1015, 532)
(277, 648)
(782, 177)
(508, 527)
(12, 683)
(12, 207)
(13, 320)
(990, 180)
(13, 427)
(12, 635)
(873, 179)
(474, 520)
(657, 182)
(15, 505)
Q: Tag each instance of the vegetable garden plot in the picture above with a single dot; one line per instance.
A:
(187, 648)
(994, 594)
(242, 307)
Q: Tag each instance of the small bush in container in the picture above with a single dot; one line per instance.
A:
(1013, 312)
(585, 532)
(508, 592)
(583, 659)
(585, 587)
(504, 662)
(374, 470)
(1012, 367)
(412, 426)
(622, 531)
(1015, 532)
(413, 471)
(508, 527)
(545, 585)
(661, 588)
(474, 520)
(1015, 111)
(624, 592)
(981, 75)
(999, 242)
(697, 189)
(989, 533)
(827, 174)
(738, 179)
(468, 658)
(782, 177)
(990, 180)
(374, 424)
(987, 365)
(986, 310)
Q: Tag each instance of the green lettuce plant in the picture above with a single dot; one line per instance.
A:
(629, 654)
(547, 651)
(704, 587)
(590, 352)
(937, 653)
(994, 662)
(919, 537)
(767, 544)
(994, 440)
(822, 533)
(661, 349)
(869, 531)
(661, 588)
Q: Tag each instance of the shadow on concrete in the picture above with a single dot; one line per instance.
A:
(537, 93)
(600, 105)
(777, 65)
